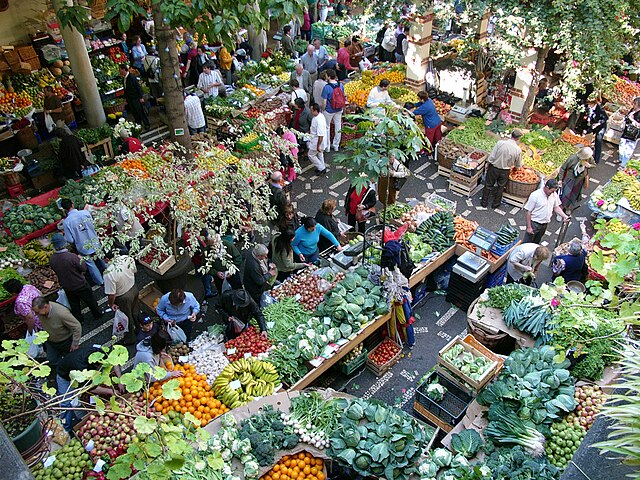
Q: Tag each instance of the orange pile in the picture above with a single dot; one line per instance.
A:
(301, 466)
(197, 396)
(574, 139)
(524, 175)
(135, 168)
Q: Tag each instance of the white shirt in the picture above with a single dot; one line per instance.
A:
(207, 79)
(318, 129)
(378, 96)
(193, 112)
(119, 277)
(299, 93)
(522, 254)
(541, 206)
(318, 86)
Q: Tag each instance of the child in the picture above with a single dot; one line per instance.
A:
(147, 328)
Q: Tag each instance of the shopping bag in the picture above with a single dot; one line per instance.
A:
(176, 333)
(49, 123)
(35, 351)
(236, 325)
(120, 324)
(62, 299)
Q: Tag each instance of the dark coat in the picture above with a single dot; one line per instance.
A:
(304, 122)
(71, 156)
(370, 199)
(598, 120)
(330, 223)
(132, 90)
(242, 313)
(255, 282)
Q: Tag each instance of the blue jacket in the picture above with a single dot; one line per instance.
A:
(79, 230)
(306, 243)
(430, 116)
(168, 312)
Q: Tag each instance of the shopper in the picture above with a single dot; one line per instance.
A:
(123, 44)
(297, 92)
(571, 266)
(379, 40)
(153, 351)
(196, 60)
(130, 144)
(258, 274)
(199, 259)
(179, 308)
(359, 204)
(402, 45)
(222, 271)
(325, 217)
(319, 140)
(289, 218)
(356, 52)
(320, 52)
(305, 242)
(138, 54)
(318, 87)
(323, 5)
(70, 154)
(574, 177)
(301, 122)
(333, 103)
(194, 114)
(524, 261)
(70, 270)
(63, 328)
(343, 56)
(277, 197)
(282, 255)
(389, 44)
(210, 81)
(390, 185)
(630, 134)
(226, 65)
(430, 119)
(596, 123)
(540, 206)
(305, 29)
(80, 230)
(379, 95)
(309, 62)
(134, 96)
(22, 306)
(237, 304)
(287, 42)
(504, 156)
(303, 78)
(122, 292)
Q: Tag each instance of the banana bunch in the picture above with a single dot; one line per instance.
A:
(35, 252)
(632, 192)
(257, 378)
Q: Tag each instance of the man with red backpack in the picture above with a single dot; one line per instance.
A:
(333, 101)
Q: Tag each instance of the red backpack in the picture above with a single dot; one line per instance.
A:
(338, 100)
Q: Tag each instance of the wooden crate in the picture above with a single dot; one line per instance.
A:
(26, 53)
(444, 172)
(476, 384)
(513, 200)
(162, 267)
(471, 340)
(379, 370)
(463, 185)
(12, 58)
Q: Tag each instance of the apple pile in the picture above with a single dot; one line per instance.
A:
(154, 254)
(590, 399)
(111, 430)
(248, 341)
(384, 352)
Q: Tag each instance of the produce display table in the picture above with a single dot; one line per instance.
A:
(314, 374)
(41, 200)
(431, 267)
(490, 319)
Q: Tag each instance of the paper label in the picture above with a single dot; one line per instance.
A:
(248, 355)
(342, 341)
(47, 462)
(48, 284)
(183, 358)
(92, 400)
(99, 464)
(235, 385)
(271, 324)
(3, 249)
(231, 351)
(89, 446)
(327, 321)
(316, 362)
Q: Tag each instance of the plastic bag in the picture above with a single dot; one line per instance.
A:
(62, 299)
(34, 350)
(120, 324)
(176, 333)
(49, 123)
(343, 227)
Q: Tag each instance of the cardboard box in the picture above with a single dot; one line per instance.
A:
(147, 296)
(491, 320)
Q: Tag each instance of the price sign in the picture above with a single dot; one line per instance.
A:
(183, 358)
(48, 284)
(231, 351)
(99, 464)
(248, 355)
(235, 385)
(3, 249)
(271, 324)
(327, 321)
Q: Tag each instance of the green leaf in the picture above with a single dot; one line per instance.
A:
(118, 356)
(171, 390)
(41, 371)
(176, 462)
(40, 337)
(100, 407)
(158, 373)
(121, 468)
(215, 461)
(189, 416)
(152, 449)
(113, 403)
(145, 426)
(131, 381)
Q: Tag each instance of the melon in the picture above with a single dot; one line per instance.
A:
(56, 71)
(67, 63)
(58, 64)
(66, 69)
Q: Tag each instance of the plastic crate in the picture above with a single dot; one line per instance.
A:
(379, 370)
(355, 364)
(502, 249)
(497, 278)
(450, 410)
(437, 202)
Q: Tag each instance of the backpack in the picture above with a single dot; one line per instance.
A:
(338, 99)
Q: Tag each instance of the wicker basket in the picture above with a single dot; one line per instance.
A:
(118, 107)
(12, 178)
(12, 58)
(520, 189)
(26, 53)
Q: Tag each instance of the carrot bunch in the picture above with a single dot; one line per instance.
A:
(135, 168)
(463, 230)
(573, 139)
(524, 175)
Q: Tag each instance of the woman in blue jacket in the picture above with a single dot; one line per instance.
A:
(305, 243)
(430, 118)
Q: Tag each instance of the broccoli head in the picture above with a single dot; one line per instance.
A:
(291, 441)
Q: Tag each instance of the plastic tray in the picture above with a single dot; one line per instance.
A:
(451, 408)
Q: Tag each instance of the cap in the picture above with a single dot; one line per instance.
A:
(241, 298)
(146, 321)
(58, 241)
(241, 51)
(551, 183)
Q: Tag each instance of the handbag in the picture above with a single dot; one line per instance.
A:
(630, 131)
(363, 214)
(398, 183)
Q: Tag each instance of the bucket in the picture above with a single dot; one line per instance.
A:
(29, 436)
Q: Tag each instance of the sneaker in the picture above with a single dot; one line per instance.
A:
(320, 172)
(335, 149)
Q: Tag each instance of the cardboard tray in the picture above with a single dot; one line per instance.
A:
(476, 384)
(147, 296)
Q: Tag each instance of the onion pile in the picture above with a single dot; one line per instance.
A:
(307, 288)
(420, 210)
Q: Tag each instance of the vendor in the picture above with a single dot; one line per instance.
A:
(238, 308)
(70, 154)
(179, 308)
(305, 243)
(356, 52)
(379, 95)
(571, 266)
(53, 107)
(130, 144)
(524, 261)
(22, 306)
(153, 351)
(430, 119)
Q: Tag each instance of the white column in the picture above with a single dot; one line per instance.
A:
(419, 47)
(524, 79)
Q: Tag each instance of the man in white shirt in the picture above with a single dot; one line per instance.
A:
(379, 95)
(540, 206)
(209, 81)
(525, 258)
(319, 139)
(194, 115)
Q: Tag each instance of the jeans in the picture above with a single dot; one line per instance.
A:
(129, 304)
(206, 280)
(69, 417)
(85, 295)
(399, 58)
(538, 232)
(57, 350)
(311, 257)
(597, 153)
(193, 131)
(95, 269)
(336, 118)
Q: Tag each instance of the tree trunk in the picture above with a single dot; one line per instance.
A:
(258, 41)
(537, 73)
(170, 76)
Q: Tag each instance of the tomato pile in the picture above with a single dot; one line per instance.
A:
(248, 341)
(302, 465)
(384, 352)
(197, 397)
(154, 254)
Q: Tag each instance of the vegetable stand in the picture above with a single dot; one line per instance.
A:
(364, 333)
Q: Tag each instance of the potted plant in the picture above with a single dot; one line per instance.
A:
(19, 416)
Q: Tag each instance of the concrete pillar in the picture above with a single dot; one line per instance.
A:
(418, 50)
(524, 80)
(83, 75)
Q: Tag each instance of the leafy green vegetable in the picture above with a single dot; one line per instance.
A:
(467, 442)
(441, 457)
(502, 296)
(267, 433)
(508, 463)
(506, 428)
